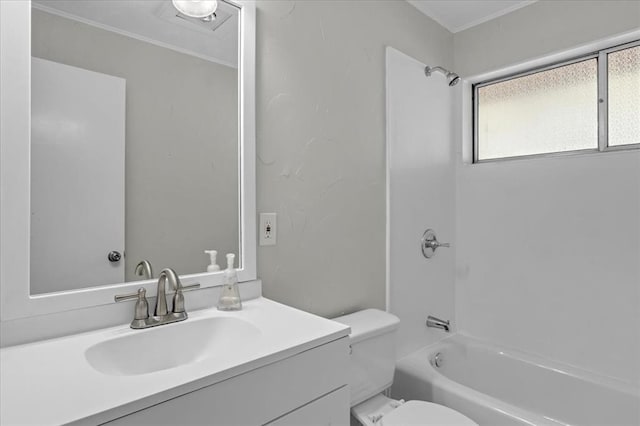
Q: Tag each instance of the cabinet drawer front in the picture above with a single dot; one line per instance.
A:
(332, 409)
(258, 396)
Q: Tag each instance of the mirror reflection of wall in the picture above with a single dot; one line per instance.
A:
(180, 146)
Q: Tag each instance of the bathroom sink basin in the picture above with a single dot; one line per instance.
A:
(171, 346)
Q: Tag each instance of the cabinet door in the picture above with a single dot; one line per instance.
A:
(332, 409)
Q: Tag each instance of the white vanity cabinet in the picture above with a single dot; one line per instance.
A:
(309, 388)
(291, 369)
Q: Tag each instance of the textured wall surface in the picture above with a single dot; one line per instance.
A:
(548, 247)
(321, 144)
(181, 142)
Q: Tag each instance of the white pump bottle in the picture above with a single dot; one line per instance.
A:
(213, 267)
(230, 295)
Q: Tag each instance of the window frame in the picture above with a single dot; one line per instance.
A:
(602, 64)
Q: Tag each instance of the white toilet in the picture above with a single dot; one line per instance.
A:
(372, 367)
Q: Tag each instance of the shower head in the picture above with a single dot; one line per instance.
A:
(452, 77)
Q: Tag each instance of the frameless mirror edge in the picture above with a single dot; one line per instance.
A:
(15, 79)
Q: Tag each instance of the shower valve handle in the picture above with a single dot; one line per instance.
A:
(434, 244)
(430, 243)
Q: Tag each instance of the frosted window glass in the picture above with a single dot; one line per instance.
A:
(549, 111)
(624, 96)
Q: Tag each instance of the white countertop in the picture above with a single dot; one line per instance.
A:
(51, 382)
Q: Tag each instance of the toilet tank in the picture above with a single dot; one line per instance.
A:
(373, 352)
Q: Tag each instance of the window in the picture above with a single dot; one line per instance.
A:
(623, 83)
(590, 103)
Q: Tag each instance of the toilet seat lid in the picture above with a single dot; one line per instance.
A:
(425, 413)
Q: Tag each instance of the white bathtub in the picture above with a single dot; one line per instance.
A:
(499, 387)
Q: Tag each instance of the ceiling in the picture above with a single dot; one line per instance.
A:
(458, 15)
(156, 21)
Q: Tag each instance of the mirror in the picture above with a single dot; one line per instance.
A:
(17, 301)
(135, 151)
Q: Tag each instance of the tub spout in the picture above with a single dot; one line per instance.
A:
(437, 323)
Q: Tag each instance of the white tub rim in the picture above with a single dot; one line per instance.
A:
(609, 382)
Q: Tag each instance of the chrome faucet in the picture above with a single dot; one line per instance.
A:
(144, 269)
(161, 298)
(161, 313)
(437, 323)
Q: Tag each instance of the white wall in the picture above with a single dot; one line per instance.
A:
(548, 249)
(421, 195)
(548, 258)
(321, 144)
(539, 29)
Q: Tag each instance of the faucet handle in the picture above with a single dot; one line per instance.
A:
(178, 297)
(178, 302)
(142, 306)
(130, 296)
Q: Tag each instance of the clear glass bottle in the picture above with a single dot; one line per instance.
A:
(230, 296)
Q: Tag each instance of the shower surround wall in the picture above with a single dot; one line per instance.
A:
(548, 249)
(321, 144)
(421, 195)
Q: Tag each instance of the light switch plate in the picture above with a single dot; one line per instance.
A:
(268, 229)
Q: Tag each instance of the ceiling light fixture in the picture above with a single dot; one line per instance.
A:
(196, 8)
